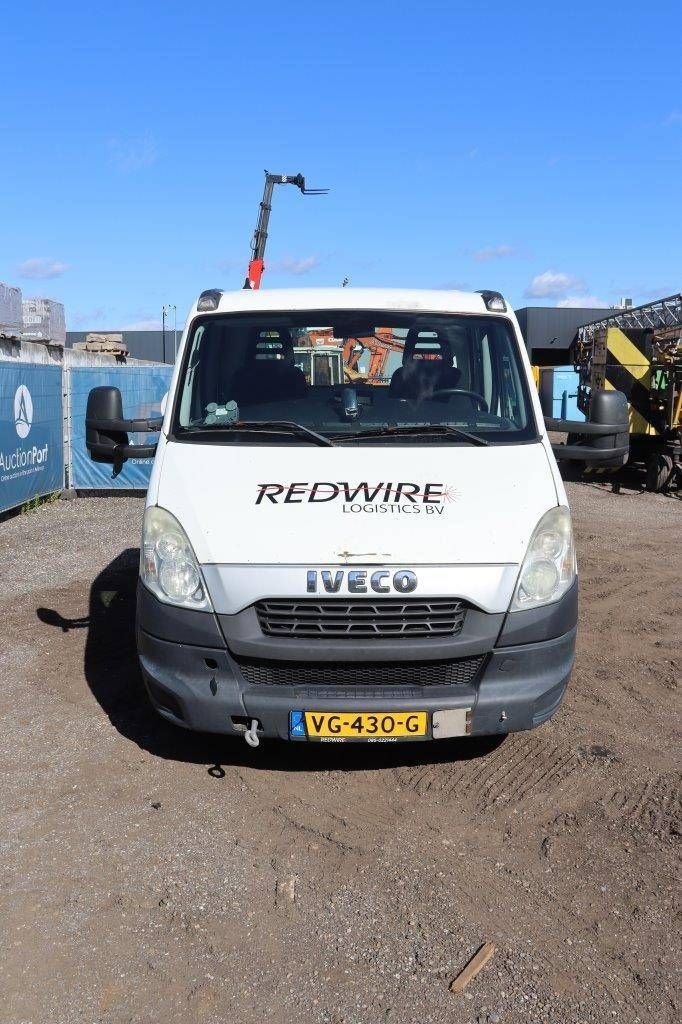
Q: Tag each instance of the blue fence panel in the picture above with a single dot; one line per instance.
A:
(142, 388)
(565, 394)
(31, 432)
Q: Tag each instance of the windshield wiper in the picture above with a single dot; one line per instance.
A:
(417, 430)
(263, 426)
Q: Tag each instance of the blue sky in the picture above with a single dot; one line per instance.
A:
(524, 147)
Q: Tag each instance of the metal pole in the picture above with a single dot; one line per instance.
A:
(175, 331)
(163, 333)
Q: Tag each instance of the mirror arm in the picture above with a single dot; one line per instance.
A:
(581, 453)
(117, 454)
(146, 426)
(135, 451)
(582, 427)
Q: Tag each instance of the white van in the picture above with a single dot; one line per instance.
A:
(416, 582)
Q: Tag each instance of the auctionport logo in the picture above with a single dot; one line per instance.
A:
(23, 411)
(24, 460)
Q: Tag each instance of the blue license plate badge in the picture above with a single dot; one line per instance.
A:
(297, 725)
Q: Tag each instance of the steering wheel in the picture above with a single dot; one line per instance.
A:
(473, 395)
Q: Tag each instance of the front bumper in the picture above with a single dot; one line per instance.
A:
(198, 684)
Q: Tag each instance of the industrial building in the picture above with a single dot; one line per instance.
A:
(154, 346)
(549, 331)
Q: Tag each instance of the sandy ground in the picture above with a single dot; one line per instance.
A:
(149, 875)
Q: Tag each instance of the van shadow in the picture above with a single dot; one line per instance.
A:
(113, 675)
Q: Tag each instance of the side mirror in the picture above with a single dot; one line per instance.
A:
(106, 431)
(606, 433)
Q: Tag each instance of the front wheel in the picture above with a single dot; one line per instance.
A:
(659, 470)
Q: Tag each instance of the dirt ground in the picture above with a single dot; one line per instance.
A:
(150, 875)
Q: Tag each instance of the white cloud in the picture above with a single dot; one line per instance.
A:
(231, 263)
(40, 268)
(133, 154)
(553, 285)
(88, 319)
(151, 324)
(662, 291)
(583, 301)
(289, 265)
(454, 286)
(493, 252)
(674, 117)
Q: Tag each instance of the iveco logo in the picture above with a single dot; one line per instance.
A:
(23, 411)
(360, 582)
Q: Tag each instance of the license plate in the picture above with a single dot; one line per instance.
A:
(364, 725)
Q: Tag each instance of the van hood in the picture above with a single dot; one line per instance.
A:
(386, 504)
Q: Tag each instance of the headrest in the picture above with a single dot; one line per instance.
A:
(273, 344)
(427, 346)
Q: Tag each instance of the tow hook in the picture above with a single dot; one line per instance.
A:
(251, 734)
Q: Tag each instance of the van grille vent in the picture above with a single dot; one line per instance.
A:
(361, 618)
(358, 673)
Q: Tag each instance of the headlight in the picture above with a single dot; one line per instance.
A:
(168, 565)
(549, 569)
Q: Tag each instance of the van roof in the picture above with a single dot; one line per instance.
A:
(398, 299)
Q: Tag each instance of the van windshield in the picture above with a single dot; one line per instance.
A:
(356, 377)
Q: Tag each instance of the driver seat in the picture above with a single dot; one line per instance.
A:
(427, 367)
(269, 373)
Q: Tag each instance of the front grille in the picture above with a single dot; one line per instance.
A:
(358, 673)
(361, 619)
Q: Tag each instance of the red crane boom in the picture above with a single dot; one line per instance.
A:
(260, 235)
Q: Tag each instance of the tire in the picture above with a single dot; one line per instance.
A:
(659, 470)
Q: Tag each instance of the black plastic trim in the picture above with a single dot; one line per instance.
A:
(520, 688)
(178, 625)
(538, 624)
(523, 686)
